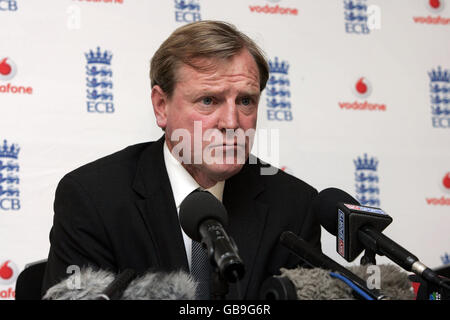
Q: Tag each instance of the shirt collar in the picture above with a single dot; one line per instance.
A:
(182, 182)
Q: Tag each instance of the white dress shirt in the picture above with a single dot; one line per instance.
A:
(183, 184)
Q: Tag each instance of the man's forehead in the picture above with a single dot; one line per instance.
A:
(205, 68)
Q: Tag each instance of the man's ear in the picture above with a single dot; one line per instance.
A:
(160, 105)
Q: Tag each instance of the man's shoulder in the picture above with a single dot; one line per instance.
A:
(276, 178)
(119, 165)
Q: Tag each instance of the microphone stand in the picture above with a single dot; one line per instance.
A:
(116, 288)
(368, 258)
(219, 285)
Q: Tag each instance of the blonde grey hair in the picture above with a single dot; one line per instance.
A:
(202, 39)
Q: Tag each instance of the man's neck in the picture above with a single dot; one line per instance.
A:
(202, 179)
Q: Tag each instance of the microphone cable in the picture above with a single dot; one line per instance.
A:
(351, 285)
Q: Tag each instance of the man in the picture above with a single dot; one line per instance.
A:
(121, 211)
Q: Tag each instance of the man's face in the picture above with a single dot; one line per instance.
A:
(223, 98)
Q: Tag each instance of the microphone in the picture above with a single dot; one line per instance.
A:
(320, 284)
(91, 284)
(203, 218)
(87, 284)
(116, 288)
(317, 259)
(357, 227)
(351, 217)
(177, 285)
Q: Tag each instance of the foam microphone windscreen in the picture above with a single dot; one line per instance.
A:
(198, 207)
(324, 207)
(318, 284)
(90, 284)
(177, 285)
(394, 281)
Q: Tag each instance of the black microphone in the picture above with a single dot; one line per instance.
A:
(343, 216)
(203, 218)
(317, 259)
(116, 288)
(357, 227)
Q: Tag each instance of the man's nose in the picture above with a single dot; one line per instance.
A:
(229, 116)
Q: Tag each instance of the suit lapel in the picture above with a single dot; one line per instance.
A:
(247, 217)
(158, 209)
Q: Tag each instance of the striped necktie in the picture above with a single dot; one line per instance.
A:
(200, 265)
(200, 270)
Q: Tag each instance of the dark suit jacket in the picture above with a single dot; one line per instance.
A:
(118, 212)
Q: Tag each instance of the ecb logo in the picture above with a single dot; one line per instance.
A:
(9, 179)
(99, 82)
(187, 11)
(445, 259)
(366, 181)
(440, 97)
(355, 12)
(8, 5)
(278, 92)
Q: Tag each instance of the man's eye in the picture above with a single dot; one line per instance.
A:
(246, 101)
(207, 101)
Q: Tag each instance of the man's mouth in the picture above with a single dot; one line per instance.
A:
(227, 145)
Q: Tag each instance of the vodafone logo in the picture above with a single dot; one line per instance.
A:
(446, 182)
(276, 9)
(435, 6)
(286, 169)
(8, 69)
(8, 272)
(444, 185)
(362, 88)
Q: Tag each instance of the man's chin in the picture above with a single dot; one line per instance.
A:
(220, 172)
